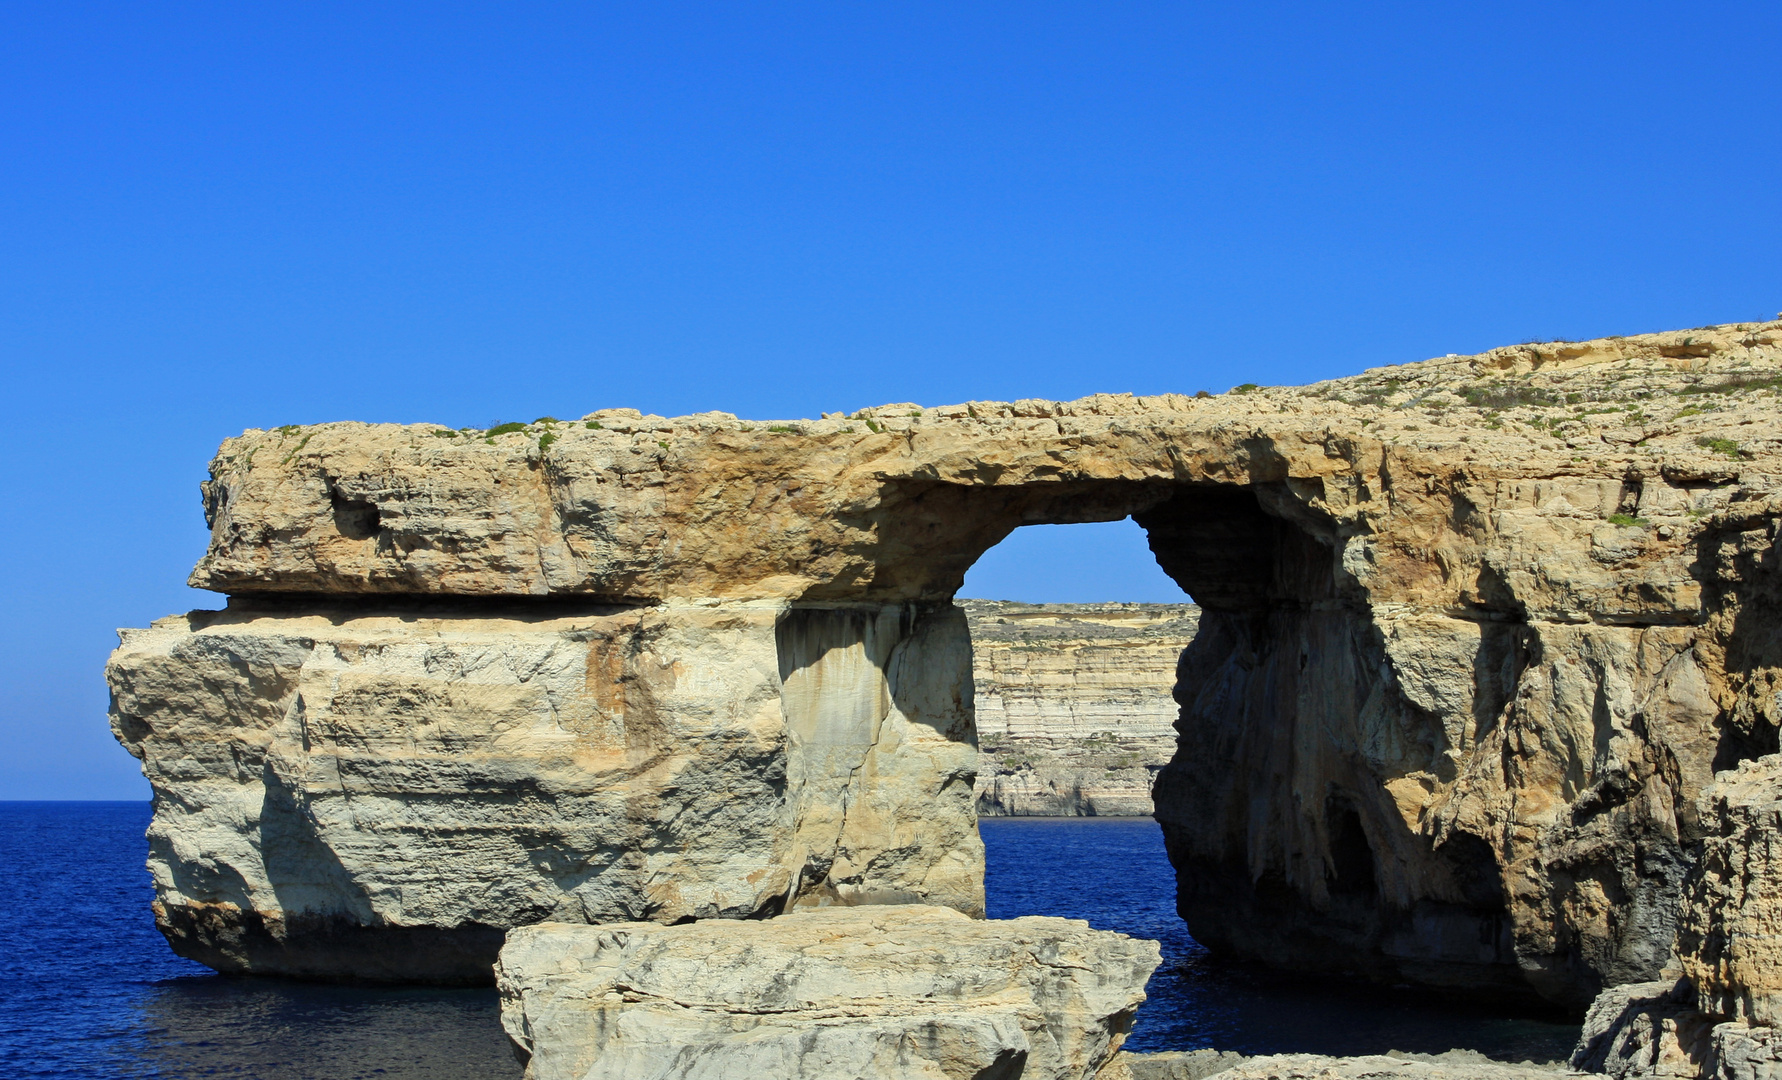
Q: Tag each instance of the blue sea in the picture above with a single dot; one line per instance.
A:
(1113, 873)
(91, 990)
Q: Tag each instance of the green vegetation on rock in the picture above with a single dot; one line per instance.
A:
(1721, 446)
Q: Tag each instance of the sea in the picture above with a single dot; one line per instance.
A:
(90, 989)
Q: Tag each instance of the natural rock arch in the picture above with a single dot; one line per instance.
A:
(1477, 631)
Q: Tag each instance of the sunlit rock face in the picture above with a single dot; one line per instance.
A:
(343, 793)
(1074, 710)
(1396, 1065)
(1474, 635)
(907, 991)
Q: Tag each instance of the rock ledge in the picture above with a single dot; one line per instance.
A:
(908, 991)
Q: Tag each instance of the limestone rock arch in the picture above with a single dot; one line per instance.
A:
(1476, 632)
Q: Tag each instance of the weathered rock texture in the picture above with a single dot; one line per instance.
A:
(1169, 1065)
(1474, 634)
(1392, 1065)
(1074, 710)
(380, 794)
(1644, 1029)
(1722, 1019)
(896, 991)
(1652, 1029)
(1729, 948)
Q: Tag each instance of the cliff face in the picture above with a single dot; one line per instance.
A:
(343, 793)
(1717, 1013)
(1474, 634)
(1074, 712)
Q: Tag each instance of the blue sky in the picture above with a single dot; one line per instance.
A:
(217, 217)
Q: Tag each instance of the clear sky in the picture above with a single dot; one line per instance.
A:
(215, 217)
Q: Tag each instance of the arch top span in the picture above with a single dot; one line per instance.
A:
(1414, 475)
(640, 511)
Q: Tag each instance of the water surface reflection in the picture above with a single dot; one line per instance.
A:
(275, 1030)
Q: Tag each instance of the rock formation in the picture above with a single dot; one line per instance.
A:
(1170, 1065)
(379, 794)
(1475, 632)
(1074, 712)
(902, 991)
(1722, 1018)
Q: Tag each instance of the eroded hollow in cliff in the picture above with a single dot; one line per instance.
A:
(1289, 804)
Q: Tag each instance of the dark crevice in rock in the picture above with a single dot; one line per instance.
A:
(333, 948)
(356, 519)
(409, 605)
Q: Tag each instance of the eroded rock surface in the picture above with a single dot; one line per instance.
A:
(1474, 635)
(1654, 1030)
(1719, 1020)
(893, 991)
(1169, 1065)
(1074, 707)
(1729, 947)
(379, 795)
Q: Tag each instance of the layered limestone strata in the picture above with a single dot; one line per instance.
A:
(896, 991)
(1074, 710)
(1393, 1066)
(1474, 634)
(381, 794)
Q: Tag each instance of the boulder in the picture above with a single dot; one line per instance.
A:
(904, 991)
(1648, 1031)
(1644, 1029)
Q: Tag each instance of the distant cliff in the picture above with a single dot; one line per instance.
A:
(1074, 710)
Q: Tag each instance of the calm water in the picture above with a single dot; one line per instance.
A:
(92, 991)
(1112, 872)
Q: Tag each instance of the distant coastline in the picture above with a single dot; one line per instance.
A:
(1073, 708)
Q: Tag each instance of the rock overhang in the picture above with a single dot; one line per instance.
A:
(890, 504)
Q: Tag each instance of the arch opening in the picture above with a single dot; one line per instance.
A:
(1293, 774)
(1285, 802)
(1075, 635)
